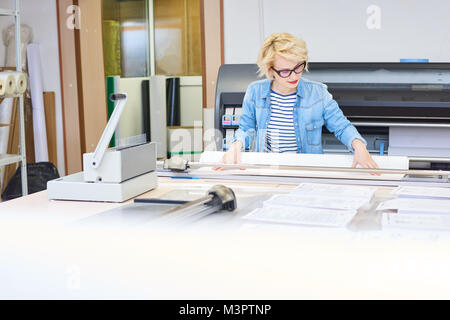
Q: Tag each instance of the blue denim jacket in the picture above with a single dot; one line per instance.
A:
(315, 107)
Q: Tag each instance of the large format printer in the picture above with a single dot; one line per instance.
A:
(399, 108)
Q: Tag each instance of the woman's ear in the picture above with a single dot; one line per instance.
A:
(271, 75)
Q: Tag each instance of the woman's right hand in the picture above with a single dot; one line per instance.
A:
(232, 156)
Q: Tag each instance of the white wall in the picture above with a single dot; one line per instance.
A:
(341, 30)
(41, 17)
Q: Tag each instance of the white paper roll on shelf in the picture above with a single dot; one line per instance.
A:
(2, 88)
(37, 100)
(20, 81)
(7, 84)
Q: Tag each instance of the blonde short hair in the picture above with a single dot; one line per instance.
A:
(284, 45)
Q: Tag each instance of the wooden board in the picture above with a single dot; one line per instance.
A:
(69, 90)
(50, 123)
(212, 47)
(29, 131)
(13, 143)
(91, 69)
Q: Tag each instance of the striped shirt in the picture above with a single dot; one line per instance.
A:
(280, 130)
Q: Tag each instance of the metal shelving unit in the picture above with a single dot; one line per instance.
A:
(6, 159)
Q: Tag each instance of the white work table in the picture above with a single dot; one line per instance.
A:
(44, 254)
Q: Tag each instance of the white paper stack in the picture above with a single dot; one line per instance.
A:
(423, 193)
(418, 208)
(336, 190)
(302, 216)
(416, 221)
(316, 201)
(315, 204)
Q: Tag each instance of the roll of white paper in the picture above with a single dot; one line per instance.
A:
(7, 83)
(2, 88)
(20, 81)
(37, 100)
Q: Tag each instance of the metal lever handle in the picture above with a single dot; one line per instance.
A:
(102, 145)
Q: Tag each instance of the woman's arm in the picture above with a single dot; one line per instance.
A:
(244, 136)
(337, 122)
(362, 156)
(247, 122)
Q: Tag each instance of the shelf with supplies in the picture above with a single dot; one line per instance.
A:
(6, 159)
(10, 87)
(8, 12)
(229, 124)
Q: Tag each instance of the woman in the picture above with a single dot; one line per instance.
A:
(286, 112)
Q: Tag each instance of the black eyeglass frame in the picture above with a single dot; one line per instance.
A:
(290, 71)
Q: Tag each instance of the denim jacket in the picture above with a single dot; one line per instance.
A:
(314, 108)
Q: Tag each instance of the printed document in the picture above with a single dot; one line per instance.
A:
(316, 201)
(423, 192)
(409, 205)
(415, 221)
(302, 216)
(335, 190)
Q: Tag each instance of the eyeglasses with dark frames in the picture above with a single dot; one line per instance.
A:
(285, 73)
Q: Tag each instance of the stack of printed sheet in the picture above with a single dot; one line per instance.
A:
(417, 208)
(315, 204)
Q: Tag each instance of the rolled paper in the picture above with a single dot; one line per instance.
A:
(37, 100)
(2, 88)
(8, 83)
(20, 81)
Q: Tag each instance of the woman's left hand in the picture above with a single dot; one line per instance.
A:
(363, 157)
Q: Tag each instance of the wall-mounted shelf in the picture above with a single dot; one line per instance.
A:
(6, 159)
(8, 12)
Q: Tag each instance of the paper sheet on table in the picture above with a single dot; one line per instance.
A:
(297, 173)
(306, 159)
(313, 160)
(423, 192)
(407, 205)
(335, 190)
(415, 221)
(316, 201)
(302, 216)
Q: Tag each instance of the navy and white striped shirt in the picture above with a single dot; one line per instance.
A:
(280, 130)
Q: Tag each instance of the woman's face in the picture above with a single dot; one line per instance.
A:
(284, 66)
